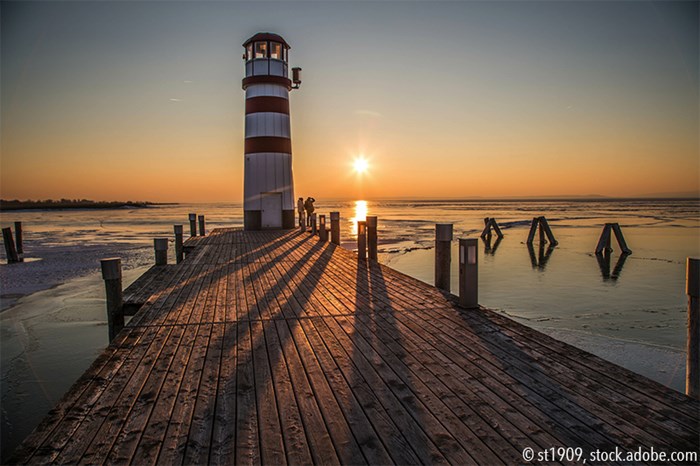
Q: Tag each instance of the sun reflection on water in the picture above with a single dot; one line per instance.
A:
(360, 215)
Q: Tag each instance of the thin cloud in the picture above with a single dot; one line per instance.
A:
(176, 100)
(371, 113)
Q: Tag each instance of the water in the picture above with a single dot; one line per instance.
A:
(631, 311)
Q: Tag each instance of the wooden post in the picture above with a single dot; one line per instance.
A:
(491, 223)
(178, 243)
(542, 240)
(533, 230)
(201, 226)
(10, 250)
(335, 227)
(468, 273)
(322, 229)
(313, 225)
(302, 222)
(193, 225)
(161, 247)
(18, 238)
(692, 364)
(112, 275)
(544, 225)
(604, 241)
(372, 238)
(362, 240)
(620, 238)
(443, 255)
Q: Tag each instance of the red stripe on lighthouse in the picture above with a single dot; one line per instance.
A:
(268, 144)
(267, 104)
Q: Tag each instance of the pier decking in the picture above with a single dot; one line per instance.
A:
(274, 348)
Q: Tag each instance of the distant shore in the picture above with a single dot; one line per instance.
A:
(50, 204)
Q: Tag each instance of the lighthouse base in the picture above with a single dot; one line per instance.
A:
(252, 220)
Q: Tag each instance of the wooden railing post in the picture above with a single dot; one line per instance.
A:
(335, 227)
(692, 364)
(18, 239)
(161, 248)
(361, 240)
(193, 225)
(313, 225)
(112, 275)
(302, 222)
(322, 229)
(468, 273)
(443, 255)
(178, 243)
(10, 250)
(201, 226)
(372, 238)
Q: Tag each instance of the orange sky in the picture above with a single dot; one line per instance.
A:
(142, 101)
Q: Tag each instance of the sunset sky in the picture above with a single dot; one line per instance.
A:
(143, 100)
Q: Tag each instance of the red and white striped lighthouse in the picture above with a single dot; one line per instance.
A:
(268, 181)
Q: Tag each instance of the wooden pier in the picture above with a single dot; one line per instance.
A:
(275, 348)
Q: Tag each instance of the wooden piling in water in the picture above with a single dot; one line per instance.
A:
(179, 256)
(692, 364)
(10, 250)
(193, 225)
(201, 226)
(335, 228)
(361, 240)
(604, 243)
(543, 225)
(372, 238)
(490, 223)
(18, 239)
(160, 245)
(443, 255)
(112, 275)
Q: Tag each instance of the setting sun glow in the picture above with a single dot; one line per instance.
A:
(360, 165)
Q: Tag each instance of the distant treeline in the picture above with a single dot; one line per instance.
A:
(16, 204)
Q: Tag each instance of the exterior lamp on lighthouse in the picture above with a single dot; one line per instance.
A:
(268, 190)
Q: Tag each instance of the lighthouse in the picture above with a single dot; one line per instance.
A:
(268, 186)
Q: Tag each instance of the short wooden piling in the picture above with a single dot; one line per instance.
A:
(193, 225)
(18, 239)
(692, 364)
(372, 238)
(161, 248)
(178, 243)
(313, 225)
(335, 227)
(443, 255)
(302, 222)
(112, 275)
(361, 240)
(491, 223)
(322, 229)
(468, 273)
(10, 250)
(604, 243)
(544, 228)
(201, 226)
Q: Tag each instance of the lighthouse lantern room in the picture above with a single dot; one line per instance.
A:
(268, 181)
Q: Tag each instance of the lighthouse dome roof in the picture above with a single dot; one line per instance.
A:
(266, 36)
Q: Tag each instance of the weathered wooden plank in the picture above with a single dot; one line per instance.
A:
(247, 441)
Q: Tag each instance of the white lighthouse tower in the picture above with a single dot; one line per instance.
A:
(268, 181)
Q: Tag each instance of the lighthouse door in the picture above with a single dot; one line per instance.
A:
(271, 210)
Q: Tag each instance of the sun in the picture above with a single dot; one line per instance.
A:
(360, 165)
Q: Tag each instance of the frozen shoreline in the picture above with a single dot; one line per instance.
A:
(45, 267)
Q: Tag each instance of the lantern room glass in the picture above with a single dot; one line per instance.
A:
(261, 50)
(276, 51)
